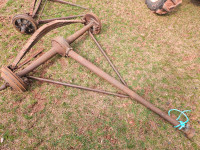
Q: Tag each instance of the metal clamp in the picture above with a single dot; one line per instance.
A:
(68, 50)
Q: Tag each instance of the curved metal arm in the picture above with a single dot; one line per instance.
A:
(39, 34)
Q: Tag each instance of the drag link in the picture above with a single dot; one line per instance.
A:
(77, 86)
(107, 58)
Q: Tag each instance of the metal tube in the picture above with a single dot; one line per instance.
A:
(62, 18)
(76, 35)
(63, 2)
(36, 8)
(39, 34)
(32, 7)
(42, 10)
(38, 62)
(105, 55)
(125, 89)
(77, 86)
(29, 59)
(52, 52)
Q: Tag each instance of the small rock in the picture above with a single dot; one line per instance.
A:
(2, 140)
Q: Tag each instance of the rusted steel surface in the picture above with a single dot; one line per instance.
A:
(77, 34)
(62, 18)
(96, 28)
(39, 34)
(64, 2)
(29, 59)
(13, 80)
(49, 54)
(36, 8)
(77, 86)
(107, 58)
(24, 23)
(62, 47)
(29, 22)
(188, 132)
(32, 7)
(39, 15)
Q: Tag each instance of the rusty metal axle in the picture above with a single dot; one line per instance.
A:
(62, 47)
(189, 132)
(38, 35)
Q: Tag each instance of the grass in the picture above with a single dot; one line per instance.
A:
(158, 56)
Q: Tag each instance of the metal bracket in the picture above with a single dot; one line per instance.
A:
(68, 50)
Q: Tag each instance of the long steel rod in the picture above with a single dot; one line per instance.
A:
(29, 59)
(77, 34)
(125, 89)
(105, 55)
(49, 54)
(32, 7)
(62, 18)
(42, 10)
(77, 86)
(36, 8)
(63, 2)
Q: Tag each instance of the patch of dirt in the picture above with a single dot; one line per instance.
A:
(39, 105)
(189, 58)
(147, 90)
(131, 122)
(2, 2)
(153, 125)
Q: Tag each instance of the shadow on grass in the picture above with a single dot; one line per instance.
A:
(196, 2)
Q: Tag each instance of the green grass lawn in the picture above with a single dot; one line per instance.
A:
(158, 56)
